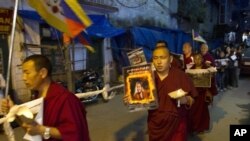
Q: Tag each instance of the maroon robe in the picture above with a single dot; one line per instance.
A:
(199, 117)
(187, 60)
(63, 110)
(176, 63)
(208, 57)
(168, 122)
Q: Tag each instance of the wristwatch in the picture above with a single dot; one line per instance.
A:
(46, 134)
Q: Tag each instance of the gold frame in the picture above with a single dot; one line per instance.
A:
(144, 74)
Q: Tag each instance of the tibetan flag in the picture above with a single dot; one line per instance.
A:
(84, 39)
(66, 39)
(65, 15)
(197, 37)
(81, 38)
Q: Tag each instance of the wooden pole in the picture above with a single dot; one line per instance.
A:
(68, 69)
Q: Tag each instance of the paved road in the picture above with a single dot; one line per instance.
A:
(111, 121)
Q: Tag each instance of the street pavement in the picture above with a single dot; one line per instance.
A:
(111, 121)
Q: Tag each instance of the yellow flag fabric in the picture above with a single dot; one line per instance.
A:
(65, 15)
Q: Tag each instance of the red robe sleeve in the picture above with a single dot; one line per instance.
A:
(176, 63)
(73, 121)
(64, 111)
(188, 85)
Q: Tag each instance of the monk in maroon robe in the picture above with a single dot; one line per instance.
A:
(64, 117)
(175, 61)
(208, 59)
(169, 121)
(188, 60)
(64, 111)
(199, 113)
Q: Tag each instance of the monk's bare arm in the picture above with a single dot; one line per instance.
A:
(54, 133)
(40, 130)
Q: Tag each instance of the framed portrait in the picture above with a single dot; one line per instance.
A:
(137, 57)
(139, 87)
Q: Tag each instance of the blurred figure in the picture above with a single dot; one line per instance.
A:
(232, 68)
(244, 37)
(239, 57)
(227, 54)
(208, 59)
(199, 113)
(221, 71)
(187, 55)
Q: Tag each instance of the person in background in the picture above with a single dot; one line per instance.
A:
(216, 54)
(239, 57)
(244, 37)
(199, 113)
(169, 122)
(232, 68)
(188, 59)
(208, 59)
(64, 116)
(227, 54)
(220, 75)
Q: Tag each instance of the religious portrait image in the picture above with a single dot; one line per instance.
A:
(139, 87)
(136, 57)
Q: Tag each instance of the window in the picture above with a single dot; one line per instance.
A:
(78, 55)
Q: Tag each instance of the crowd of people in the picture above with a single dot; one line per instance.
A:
(227, 63)
(64, 117)
(170, 121)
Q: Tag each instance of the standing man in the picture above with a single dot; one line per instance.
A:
(188, 60)
(169, 121)
(64, 116)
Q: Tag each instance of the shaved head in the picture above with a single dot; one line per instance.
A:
(204, 49)
(161, 60)
(163, 48)
(187, 49)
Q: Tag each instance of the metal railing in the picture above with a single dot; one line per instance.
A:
(102, 2)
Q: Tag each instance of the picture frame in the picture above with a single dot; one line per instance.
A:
(139, 87)
(137, 57)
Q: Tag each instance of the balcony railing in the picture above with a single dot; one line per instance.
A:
(102, 2)
(102, 6)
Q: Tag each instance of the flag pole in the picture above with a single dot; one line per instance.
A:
(193, 41)
(11, 47)
(7, 127)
